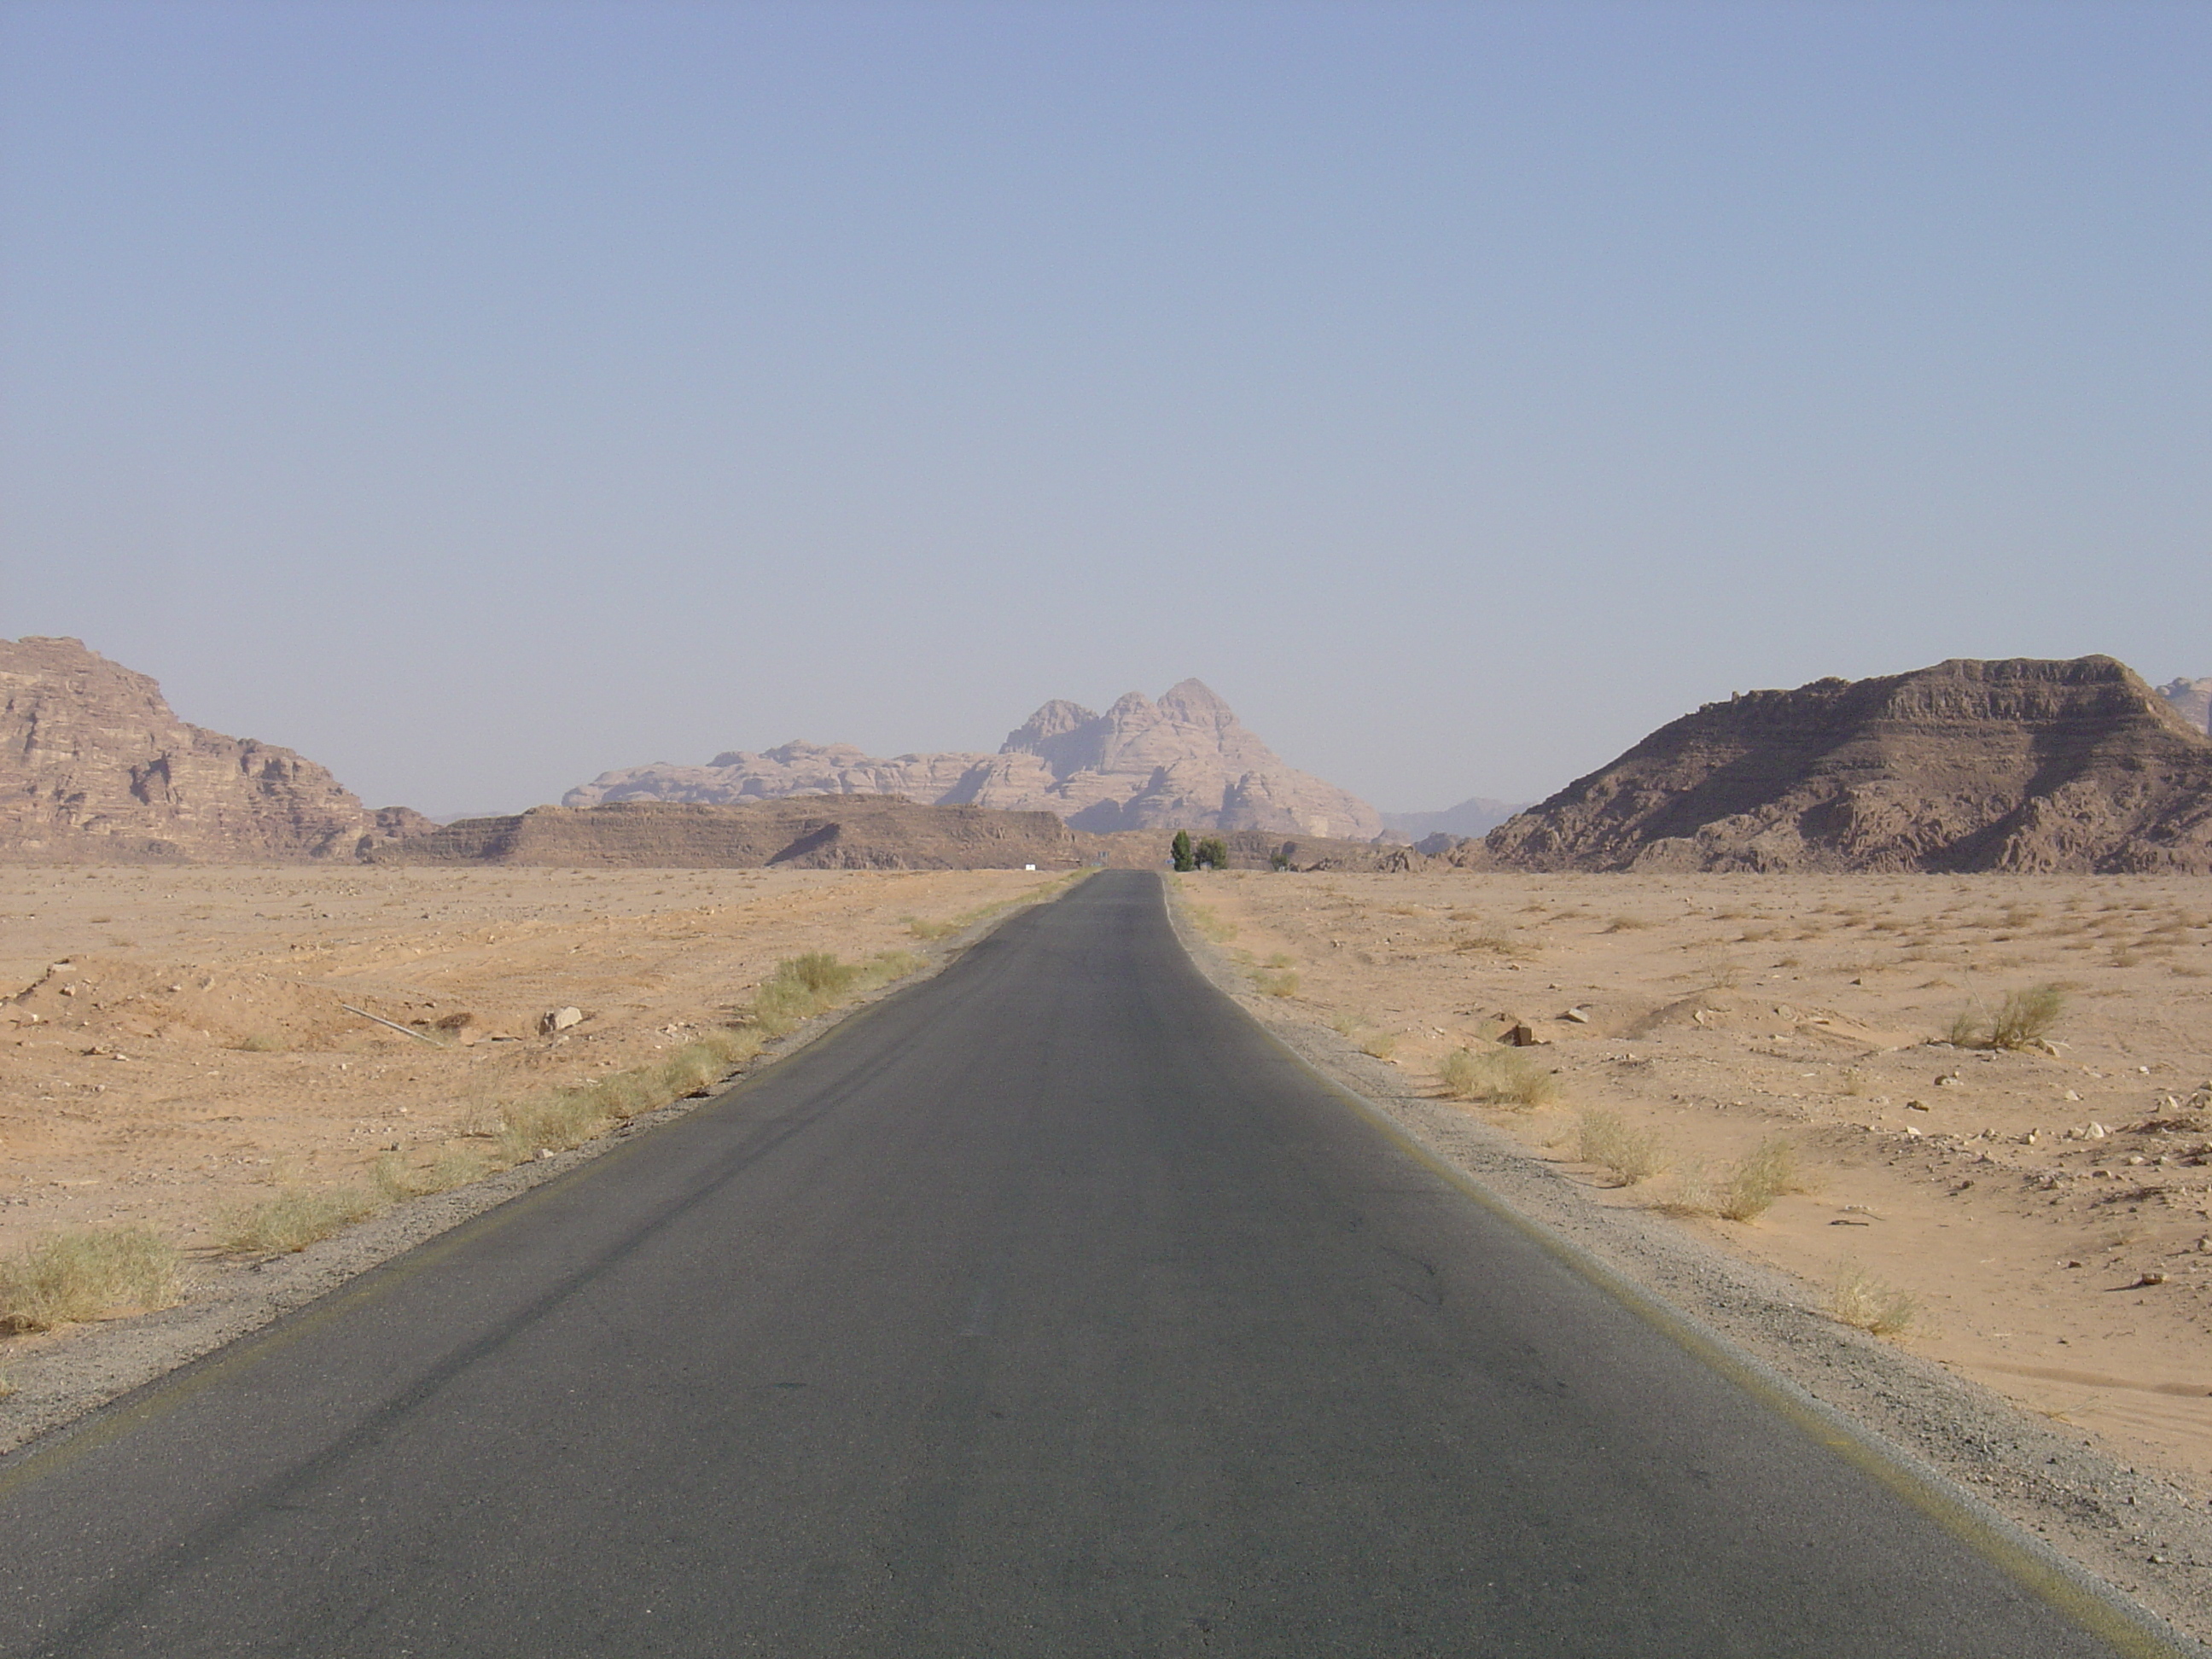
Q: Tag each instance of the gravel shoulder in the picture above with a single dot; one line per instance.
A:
(2126, 1528)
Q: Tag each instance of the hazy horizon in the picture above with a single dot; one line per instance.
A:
(479, 397)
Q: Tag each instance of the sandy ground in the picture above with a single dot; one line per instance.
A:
(2050, 1213)
(172, 1041)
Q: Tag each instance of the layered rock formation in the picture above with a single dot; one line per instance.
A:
(1185, 762)
(2014, 765)
(2192, 700)
(95, 767)
(858, 832)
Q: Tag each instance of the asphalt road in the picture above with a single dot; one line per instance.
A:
(1048, 1308)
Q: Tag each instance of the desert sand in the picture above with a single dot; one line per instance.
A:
(2050, 1214)
(174, 1040)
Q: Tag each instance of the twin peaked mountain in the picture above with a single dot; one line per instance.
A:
(1185, 762)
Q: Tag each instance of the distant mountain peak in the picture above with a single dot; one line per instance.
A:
(1185, 762)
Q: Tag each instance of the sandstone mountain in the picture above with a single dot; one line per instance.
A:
(95, 768)
(2192, 700)
(1476, 815)
(1185, 762)
(2014, 765)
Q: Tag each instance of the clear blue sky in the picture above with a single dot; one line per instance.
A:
(475, 397)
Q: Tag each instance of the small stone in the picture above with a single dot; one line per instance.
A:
(2073, 1094)
(2097, 1131)
(1949, 1080)
(1578, 1016)
(2150, 1279)
(1916, 1106)
(559, 1019)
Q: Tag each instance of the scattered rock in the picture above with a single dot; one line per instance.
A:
(559, 1019)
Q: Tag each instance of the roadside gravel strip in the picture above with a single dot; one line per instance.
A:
(55, 1385)
(2050, 1507)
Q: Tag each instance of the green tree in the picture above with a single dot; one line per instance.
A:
(1212, 852)
(1179, 850)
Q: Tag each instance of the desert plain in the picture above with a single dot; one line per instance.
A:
(175, 1046)
(175, 1042)
(2039, 1219)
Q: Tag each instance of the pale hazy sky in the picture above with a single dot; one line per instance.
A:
(475, 397)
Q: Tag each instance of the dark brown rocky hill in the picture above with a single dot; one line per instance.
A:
(2013, 765)
(95, 768)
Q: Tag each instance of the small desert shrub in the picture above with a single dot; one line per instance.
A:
(558, 1118)
(1857, 1297)
(1759, 1177)
(1628, 1154)
(77, 1275)
(1457, 1074)
(1379, 1045)
(1500, 1076)
(260, 1042)
(1282, 982)
(802, 987)
(450, 1169)
(1344, 1025)
(2023, 1020)
(293, 1220)
(928, 930)
(1628, 925)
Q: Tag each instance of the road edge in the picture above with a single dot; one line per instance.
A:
(92, 1366)
(1920, 1431)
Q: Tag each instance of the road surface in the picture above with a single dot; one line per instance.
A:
(1047, 1308)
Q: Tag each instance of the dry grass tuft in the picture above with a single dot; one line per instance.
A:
(1856, 1297)
(80, 1275)
(293, 1220)
(1379, 1045)
(1748, 1190)
(801, 987)
(1276, 982)
(260, 1042)
(558, 1118)
(1629, 1155)
(2023, 1020)
(1500, 1076)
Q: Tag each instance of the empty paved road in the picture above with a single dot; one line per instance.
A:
(1046, 1309)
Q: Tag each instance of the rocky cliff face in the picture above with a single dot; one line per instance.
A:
(2014, 765)
(1184, 761)
(2192, 700)
(95, 768)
